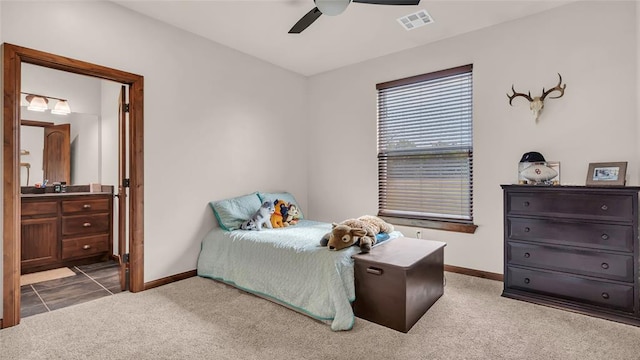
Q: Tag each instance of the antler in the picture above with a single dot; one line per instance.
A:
(556, 88)
(516, 94)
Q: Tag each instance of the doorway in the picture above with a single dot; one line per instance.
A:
(13, 56)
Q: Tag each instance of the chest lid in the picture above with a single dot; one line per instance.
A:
(400, 252)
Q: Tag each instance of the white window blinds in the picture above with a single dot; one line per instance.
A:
(425, 147)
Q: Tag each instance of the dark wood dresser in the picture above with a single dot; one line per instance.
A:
(573, 247)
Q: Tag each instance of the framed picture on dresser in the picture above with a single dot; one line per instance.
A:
(607, 174)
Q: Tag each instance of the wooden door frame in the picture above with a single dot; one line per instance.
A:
(12, 58)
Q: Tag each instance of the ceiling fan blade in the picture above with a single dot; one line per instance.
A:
(388, 2)
(306, 20)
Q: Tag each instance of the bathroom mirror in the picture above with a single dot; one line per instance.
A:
(88, 153)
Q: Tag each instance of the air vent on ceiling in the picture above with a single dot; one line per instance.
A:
(415, 20)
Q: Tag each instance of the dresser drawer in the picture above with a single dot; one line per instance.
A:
(85, 205)
(84, 246)
(600, 293)
(583, 262)
(85, 224)
(580, 205)
(592, 235)
(29, 208)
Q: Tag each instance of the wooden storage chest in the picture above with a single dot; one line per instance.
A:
(398, 281)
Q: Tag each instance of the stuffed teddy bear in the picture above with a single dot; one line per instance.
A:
(349, 232)
(293, 215)
(277, 217)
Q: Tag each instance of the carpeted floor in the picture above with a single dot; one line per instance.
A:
(201, 319)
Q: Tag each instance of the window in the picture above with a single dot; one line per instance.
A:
(425, 150)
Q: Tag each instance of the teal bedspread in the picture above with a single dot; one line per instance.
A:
(287, 265)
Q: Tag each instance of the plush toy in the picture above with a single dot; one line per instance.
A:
(293, 215)
(277, 218)
(262, 216)
(362, 230)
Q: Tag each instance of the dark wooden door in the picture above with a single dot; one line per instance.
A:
(56, 161)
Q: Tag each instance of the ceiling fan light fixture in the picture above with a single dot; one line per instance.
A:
(37, 103)
(332, 7)
(61, 108)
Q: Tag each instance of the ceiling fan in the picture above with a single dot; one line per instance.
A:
(336, 7)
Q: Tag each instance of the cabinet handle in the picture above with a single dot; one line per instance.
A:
(525, 204)
(605, 295)
(86, 206)
(605, 266)
(87, 224)
(604, 207)
(86, 247)
(527, 255)
(527, 229)
(604, 237)
(374, 271)
(527, 280)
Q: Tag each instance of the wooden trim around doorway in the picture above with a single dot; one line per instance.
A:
(12, 58)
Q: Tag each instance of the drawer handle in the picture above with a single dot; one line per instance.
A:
(527, 255)
(605, 266)
(527, 229)
(605, 295)
(374, 271)
(604, 207)
(527, 280)
(86, 206)
(604, 237)
(525, 204)
(86, 247)
(87, 224)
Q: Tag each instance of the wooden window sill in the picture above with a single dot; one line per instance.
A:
(432, 224)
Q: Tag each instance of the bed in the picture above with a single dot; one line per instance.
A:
(286, 265)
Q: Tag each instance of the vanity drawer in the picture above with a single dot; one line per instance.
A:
(84, 246)
(591, 235)
(601, 293)
(85, 224)
(581, 205)
(583, 262)
(84, 205)
(30, 208)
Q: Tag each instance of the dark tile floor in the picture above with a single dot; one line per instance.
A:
(90, 282)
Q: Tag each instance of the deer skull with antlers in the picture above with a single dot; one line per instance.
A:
(537, 103)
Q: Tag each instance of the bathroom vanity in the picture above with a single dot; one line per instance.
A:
(65, 229)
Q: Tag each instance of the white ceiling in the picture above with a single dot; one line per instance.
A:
(260, 28)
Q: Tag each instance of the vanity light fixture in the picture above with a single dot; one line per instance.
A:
(61, 108)
(37, 103)
(40, 103)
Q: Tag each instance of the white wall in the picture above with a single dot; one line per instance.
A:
(245, 135)
(596, 120)
(85, 148)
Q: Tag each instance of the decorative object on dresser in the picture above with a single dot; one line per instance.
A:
(533, 169)
(573, 247)
(536, 104)
(65, 229)
(398, 281)
(607, 174)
